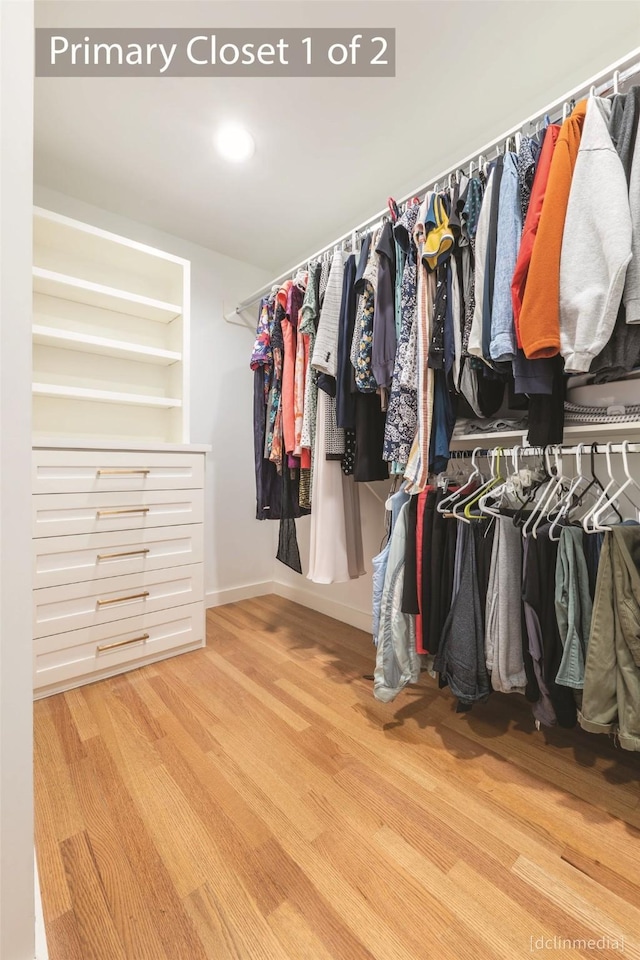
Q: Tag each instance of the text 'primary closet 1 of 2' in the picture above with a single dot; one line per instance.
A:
(477, 346)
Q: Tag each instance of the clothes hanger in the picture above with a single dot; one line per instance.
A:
(493, 502)
(522, 515)
(548, 507)
(489, 501)
(461, 502)
(496, 479)
(587, 520)
(546, 488)
(594, 483)
(568, 501)
(630, 482)
(462, 509)
(445, 504)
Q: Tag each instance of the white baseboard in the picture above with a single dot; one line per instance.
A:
(215, 598)
(332, 608)
(307, 598)
(42, 952)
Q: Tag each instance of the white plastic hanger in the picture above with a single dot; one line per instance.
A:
(447, 502)
(598, 515)
(567, 500)
(491, 501)
(461, 510)
(551, 498)
(587, 520)
(544, 495)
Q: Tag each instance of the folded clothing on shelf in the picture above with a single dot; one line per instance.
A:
(494, 425)
(613, 413)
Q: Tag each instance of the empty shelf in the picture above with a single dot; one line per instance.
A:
(97, 295)
(102, 346)
(103, 396)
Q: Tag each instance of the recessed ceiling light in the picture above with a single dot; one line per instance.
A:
(235, 143)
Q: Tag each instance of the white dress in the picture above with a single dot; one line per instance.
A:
(336, 552)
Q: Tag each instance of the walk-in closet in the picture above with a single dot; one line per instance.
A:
(320, 460)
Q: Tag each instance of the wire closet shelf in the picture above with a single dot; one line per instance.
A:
(608, 80)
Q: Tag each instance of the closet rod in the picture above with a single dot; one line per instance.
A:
(550, 448)
(603, 82)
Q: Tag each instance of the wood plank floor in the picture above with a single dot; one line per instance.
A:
(252, 800)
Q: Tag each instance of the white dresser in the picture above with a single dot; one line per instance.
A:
(118, 559)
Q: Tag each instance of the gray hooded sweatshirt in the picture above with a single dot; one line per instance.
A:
(596, 244)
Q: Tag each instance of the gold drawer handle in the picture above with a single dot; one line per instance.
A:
(133, 596)
(122, 643)
(107, 472)
(113, 513)
(125, 553)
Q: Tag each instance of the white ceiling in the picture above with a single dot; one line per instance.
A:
(328, 151)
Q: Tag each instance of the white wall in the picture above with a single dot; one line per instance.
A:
(350, 602)
(17, 915)
(238, 549)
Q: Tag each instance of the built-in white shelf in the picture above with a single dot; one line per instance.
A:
(111, 336)
(103, 346)
(98, 295)
(103, 396)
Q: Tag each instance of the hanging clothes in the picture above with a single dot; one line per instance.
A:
(397, 662)
(345, 383)
(503, 637)
(325, 347)
(270, 489)
(300, 375)
(383, 348)
(402, 412)
(528, 155)
(539, 594)
(262, 365)
(573, 607)
(531, 223)
(417, 472)
(325, 355)
(503, 344)
(362, 345)
(380, 561)
(336, 538)
(461, 656)
(622, 352)
(308, 324)
(474, 343)
(289, 333)
(598, 219)
(611, 698)
(540, 316)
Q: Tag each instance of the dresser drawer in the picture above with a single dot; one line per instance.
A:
(91, 603)
(63, 514)
(94, 556)
(90, 471)
(94, 650)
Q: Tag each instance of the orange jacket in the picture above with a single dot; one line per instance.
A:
(530, 229)
(540, 314)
